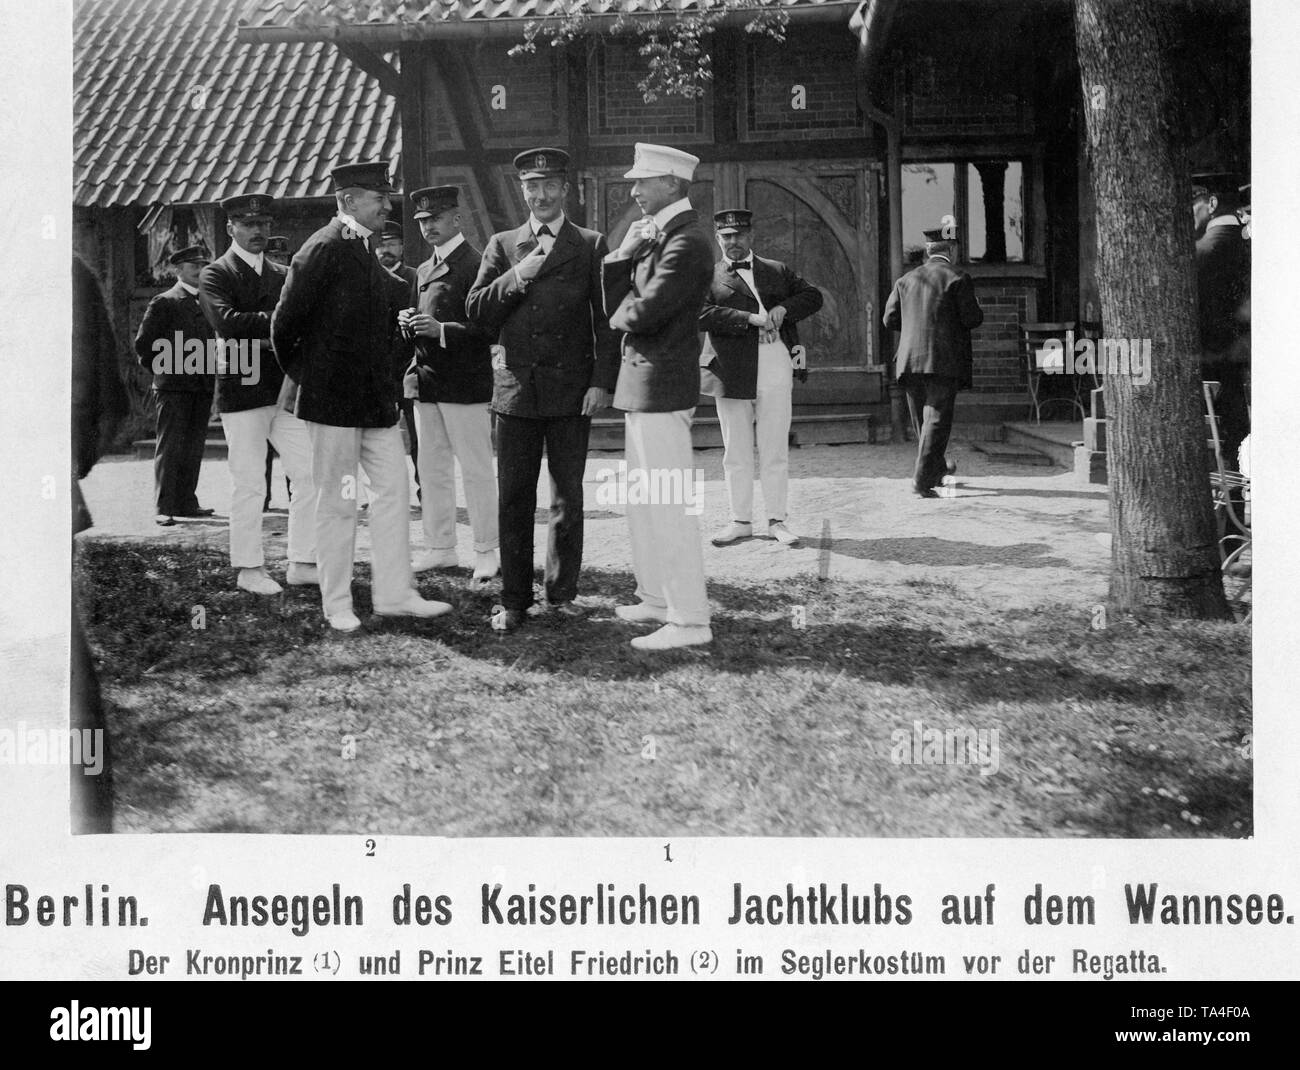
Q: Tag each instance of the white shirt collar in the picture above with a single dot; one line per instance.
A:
(449, 246)
(348, 221)
(1223, 221)
(191, 290)
(553, 226)
(940, 256)
(666, 215)
(254, 261)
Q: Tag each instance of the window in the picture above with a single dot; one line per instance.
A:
(981, 203)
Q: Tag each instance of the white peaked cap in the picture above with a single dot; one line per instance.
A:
(651, 161)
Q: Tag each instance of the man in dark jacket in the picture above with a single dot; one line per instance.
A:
(538, 295)
(172, 343)
(750, 316)
(239, 291)
(655, 284)
(935, 308)
(1223, 302)
(453, 372)
(392, 255)
(332, 332)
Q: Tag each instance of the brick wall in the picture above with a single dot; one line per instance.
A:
(823, 65)
(999, 365)
(617, 112)
(963, 95)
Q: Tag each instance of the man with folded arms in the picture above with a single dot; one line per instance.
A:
(453, 372)
(239, 291)
(750, 316)
(655, 284)
(332, 332)
(538, 294)
(182, 399)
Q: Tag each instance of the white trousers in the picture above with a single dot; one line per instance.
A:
(449, 433)
(335, 454)
(247, 434)
(771, 412)
(667, 555)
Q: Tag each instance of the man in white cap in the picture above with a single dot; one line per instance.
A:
(654, 286)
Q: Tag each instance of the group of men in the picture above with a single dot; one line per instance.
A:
(541, 330)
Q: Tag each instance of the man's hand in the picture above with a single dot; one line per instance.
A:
(594, 400)
(421, 323)
(526, 270)
(776, 316)
(640, 232)
(288, 399)
(761, 320)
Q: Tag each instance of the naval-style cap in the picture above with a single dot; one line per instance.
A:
(731, 220)
(434, 200)
(191, 254)
(277, 243)
(1215, 183)
(541, 163)
(392, 229)
(652, 161)
(371, 175)
(248, 206)
(936, 235)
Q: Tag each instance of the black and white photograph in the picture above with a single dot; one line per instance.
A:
(851, 407)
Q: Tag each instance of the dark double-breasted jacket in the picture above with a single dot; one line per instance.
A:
(238, 303)
(459, 373)
(174, 314)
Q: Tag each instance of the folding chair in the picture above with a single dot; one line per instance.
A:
(1040, 361)
(1231, 520)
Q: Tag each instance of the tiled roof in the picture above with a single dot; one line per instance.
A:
(170, 108)
(299, 14)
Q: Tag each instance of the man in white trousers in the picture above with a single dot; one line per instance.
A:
(655, 283)
(452, 369)
(749, 359)
(238, 293)
(332, 332)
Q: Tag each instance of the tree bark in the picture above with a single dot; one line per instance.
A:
(1164, 556)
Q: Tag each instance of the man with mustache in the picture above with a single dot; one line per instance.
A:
(538, 294)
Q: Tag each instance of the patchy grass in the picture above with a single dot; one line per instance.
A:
(263, 720)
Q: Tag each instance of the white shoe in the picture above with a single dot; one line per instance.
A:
(671, 636)
(414, 606)
(301, 574)
(257, 581)
(733, 532)
(431, 559)
(782, 534)
(487, 565)
(642, 613)
(344, 622)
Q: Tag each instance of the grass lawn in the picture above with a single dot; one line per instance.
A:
(265, 721)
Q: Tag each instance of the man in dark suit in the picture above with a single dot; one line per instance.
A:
(391, 253)
(1223, 302)
(538, 295)
(655, 284)
(750, 315)
(935, 308)
(239, 291)
(332, 332)
(182, 386)
(453, 379)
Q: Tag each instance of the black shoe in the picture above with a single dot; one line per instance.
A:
(196, 512)
(164, 521)
(929, 492)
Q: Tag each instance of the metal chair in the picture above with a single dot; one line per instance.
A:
(1232, 522)
(1041, 360)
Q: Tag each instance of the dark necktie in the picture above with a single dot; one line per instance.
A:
(544, 231)
(739, 265)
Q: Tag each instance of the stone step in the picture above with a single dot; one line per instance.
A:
(1009, 453)
(1055, 439)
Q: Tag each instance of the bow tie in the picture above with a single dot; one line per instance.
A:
(544, 231)
(740, 265)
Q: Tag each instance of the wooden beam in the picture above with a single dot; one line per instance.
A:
(374, 65)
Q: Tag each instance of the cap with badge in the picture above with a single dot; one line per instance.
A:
(732, 220)
(541, 163)
(392, 229)
(434, 200)
(191, 254)
(654, 161)
(248, 206)
(936, 235)
(371, 175)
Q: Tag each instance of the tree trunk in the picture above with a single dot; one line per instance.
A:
(1164, 556)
